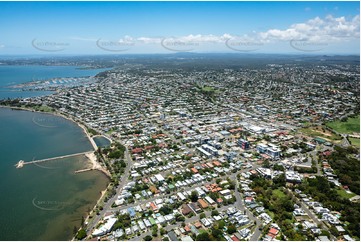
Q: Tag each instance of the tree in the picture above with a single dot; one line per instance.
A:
(279, 181)
(231, 229)
(215, 213)
(162, 231)
(334, 231)
(204, 236)
(278, 167)
(202, 215)
(148, 238)
(155, 231)
(81, 234)
(165, 210)
(221, 224)
(216, 233)
(194, 196)
(266, 164)
(180, 218)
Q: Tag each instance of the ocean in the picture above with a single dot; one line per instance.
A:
(43, 201)
(18, 74)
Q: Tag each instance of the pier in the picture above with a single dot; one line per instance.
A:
(22, 163)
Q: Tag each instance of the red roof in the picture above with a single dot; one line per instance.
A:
(154, 207)
(162, 145)
(234, 238)
(216, 163)
(249, 198)
(137, 150)
(273, 231)
(194, 170)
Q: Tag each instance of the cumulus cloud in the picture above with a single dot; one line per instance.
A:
(320, 30)
(328, 29)
(315, 30)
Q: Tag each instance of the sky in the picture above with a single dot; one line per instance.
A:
(78, 28)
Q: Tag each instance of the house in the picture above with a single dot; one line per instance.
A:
(153, 206)
(187, 229)
(206, 222)
(131, 212)
(198, 225)
(186, 209)
(172, 236)
(187, 238)
(194, 230)
(209, 200)
(105, 228)
(234, 238)
(202, 203)
(225, 192)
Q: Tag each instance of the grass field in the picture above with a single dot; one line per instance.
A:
(350, 126)
(355, 142)
(317, 132)
(344, 194)
(208, 89)
(278, 193)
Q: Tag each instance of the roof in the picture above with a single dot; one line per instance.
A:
(197, 224)
(185, 209)
(154, 207)
(202, 203)
(234, 238)
(187, 238)
(172, 236)
(273, 231)
(194, 170)
(187, 229)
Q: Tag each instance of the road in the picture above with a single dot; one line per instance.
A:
(240, 206)
(179, 224)
(107, 206)
(310, 213)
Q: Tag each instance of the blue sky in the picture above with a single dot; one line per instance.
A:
(168, 27)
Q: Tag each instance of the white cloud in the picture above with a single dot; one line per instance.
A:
(149, 40)
(317, 29)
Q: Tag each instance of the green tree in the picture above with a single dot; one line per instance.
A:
(148, 238)
(215, 213)
(194, 196)
(217, 233)
(221, 224)
(204, 236)
(162, 231)
(231, 229)
(155, 231)
(81, 234)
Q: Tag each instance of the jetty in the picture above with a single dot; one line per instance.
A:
(84, 170)
(22, 163)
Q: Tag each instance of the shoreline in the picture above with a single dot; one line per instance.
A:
(92, 159)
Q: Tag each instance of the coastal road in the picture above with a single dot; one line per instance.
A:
(108, 204)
